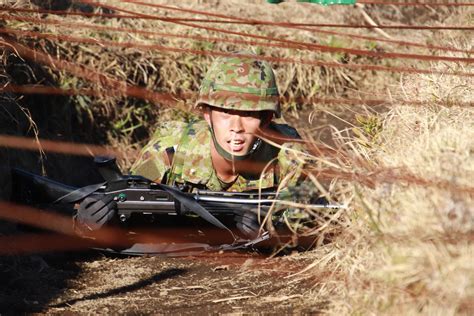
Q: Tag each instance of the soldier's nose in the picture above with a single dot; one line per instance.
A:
(236, 125)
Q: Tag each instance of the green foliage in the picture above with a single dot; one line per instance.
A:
(368, 130)
(337, 43)
(83, 106)
(185, 116)
(371, 45)
(290, 107)
(258, 50)
(314, 89)
(130, 119)
(203, 45)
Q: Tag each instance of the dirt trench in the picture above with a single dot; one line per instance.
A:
(214, 283)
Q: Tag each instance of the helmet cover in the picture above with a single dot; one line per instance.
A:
(240, 83)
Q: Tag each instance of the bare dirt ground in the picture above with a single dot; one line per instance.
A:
(90, 283)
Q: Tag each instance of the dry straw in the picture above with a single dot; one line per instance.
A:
(400, 248)
(409, 248)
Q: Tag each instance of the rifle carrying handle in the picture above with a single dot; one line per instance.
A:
(108, 168)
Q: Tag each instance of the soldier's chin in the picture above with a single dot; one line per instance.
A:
(238, 153)
(237, 150)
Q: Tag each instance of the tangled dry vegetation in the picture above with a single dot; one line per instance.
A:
(409, 247)
(127, 121)
(405, 247)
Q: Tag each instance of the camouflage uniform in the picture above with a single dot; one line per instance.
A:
(180, 153)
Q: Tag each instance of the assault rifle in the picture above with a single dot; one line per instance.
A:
(138, 197)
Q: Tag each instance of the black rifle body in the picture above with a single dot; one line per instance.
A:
(138, 195)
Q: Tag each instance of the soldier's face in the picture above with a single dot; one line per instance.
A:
(235, 131)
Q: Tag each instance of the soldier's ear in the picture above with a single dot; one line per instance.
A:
(266, 118)
(206, 112)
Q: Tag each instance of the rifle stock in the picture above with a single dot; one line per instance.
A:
(30, 188)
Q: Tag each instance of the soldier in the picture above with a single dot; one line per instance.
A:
(237, 147)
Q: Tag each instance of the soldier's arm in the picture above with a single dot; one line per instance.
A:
(156, 158)
(294, 162)
(153, 162)
(292, 159)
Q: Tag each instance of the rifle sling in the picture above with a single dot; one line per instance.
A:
(184, 199)
(79, 194)
(194, 206)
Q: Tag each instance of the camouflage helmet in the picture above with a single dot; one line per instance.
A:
(240, 83)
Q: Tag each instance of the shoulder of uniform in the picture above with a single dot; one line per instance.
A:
(169, 128)
(285, 130)
(158, 154)
(292, 150)
(292, 157)
(196, 127)
(169, 134)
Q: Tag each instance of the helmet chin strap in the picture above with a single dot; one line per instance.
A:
(228, 156)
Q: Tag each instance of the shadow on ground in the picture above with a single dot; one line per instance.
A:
(29, 283)
(167, 274)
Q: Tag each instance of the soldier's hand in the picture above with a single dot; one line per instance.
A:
(248, 224)
(94, 212)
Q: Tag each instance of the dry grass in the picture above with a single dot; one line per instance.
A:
(409, 248)
(130, 120)
(402, 248)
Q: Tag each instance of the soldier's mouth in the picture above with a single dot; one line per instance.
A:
(236, 145)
